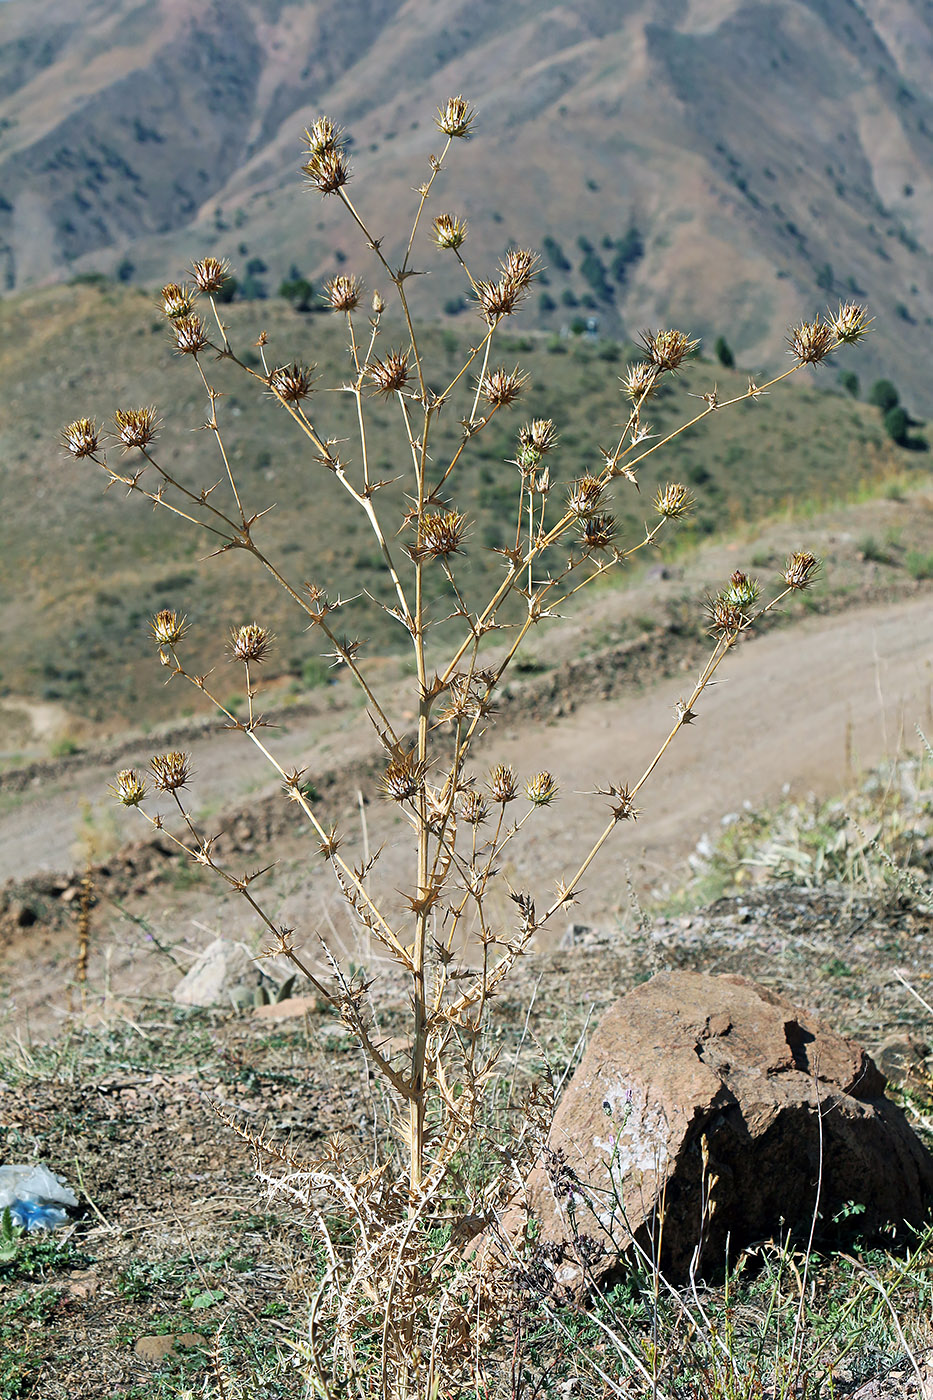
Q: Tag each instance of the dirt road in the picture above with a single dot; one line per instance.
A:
(798, 708)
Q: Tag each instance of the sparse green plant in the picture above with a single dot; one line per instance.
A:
(392, 1302)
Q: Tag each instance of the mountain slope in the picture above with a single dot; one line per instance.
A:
(773, 157)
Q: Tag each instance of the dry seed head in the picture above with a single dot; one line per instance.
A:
(167, 628)
(598, 532)
(327, 170)
(811, 341)
(403, 778)
(541, 789)
(129, 788)
(455, 118)
(378, 304)
(640, 380)
(250, 642)
(80, 438)
(725, 619)
(449, 231)
(585, 496)
(667, 349)
(391, 374)
(850, 323)
(498, 299)
(801, 569)
(135, 427)
(502, 386)
(538, 436)
(520, 267)
(673, 501)
(343, 293)
(474, 809)
(442, 534)
(190, 335)
(323, 136)
(170, 771)
(210, 274)
(177, 301)
(291, 383)
(743, 592)
(503, 784)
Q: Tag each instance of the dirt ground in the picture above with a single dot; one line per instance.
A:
(175, 1239)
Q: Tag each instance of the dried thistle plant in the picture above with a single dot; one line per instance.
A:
(460, 827)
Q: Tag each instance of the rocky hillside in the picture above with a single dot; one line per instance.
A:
(728, 164)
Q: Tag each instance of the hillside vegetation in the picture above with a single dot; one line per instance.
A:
(84, 570)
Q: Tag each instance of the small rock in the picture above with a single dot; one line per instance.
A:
(159, 1345)
(285, 1010)
(82, 1285)
(216, 974)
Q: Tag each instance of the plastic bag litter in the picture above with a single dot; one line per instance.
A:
(35, 1197)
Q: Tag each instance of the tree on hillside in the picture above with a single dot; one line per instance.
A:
(896, 424)
(628, 252)
(849, 381)
(884, 395)
(299, 291)
(723, 353)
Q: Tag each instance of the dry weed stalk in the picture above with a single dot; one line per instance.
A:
(461, 826)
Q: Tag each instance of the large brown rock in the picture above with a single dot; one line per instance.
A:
(787, 1113)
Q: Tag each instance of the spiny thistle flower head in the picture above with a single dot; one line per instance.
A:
(176, 301)
(135, 427)
(520, 267)
(80, 438)
(673, 501)
(850, 323)
(502, 387)
(129, 788)
(442, 534)
(742, 592)
(503, 784)
(210, 274)
(585, 496)
(190, 335)
(598, 532)
(343, 292)
(327, 170)
(640, 380)
(801, 569)
(166, 628)
(541, 789)
(403, 777)
(474, 808)
(667, 349)
(811, 341)
(725, 618)
(250, 642)
(498, 299)
(323, 135)
(539, 437)
(455, 118)
(391, 374)
(292, 383)
(449, 231)
(170, 771)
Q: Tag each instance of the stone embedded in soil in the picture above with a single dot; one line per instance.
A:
(688, 1064)
(156, 1347)
(286, 1009)
(221, 971)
